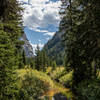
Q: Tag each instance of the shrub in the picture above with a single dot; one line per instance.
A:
(98, 74)
(66, 80)
(57, 73)
(48, 70)
(89, 90)
(32, 88)
(41, 83)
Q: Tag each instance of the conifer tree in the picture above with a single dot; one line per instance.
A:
(81, 37)
(38, 58)
(10, 46)
(45, 60)
(32, 63)
(7, 60)
(24, 58)
(41, 60)
(54, 65)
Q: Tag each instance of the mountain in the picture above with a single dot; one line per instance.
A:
(55, 48)
(27, 47)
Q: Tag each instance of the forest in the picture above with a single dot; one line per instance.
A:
(68, 71)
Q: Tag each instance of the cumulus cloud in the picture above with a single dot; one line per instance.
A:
(41, 14)
(35, 46)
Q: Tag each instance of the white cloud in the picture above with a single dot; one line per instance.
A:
(38, 30)
(40, 14)
(50, 33)
(35, 46)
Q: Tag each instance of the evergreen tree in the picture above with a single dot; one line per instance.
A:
(8, 63)
(12, 23)
(38, 58)
(54, 65)
(24, 58)
(32, 63)
(41, 60)
(10, 46)
(45, 60)
(81, 37)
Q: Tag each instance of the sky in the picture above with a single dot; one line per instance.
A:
(40, 19)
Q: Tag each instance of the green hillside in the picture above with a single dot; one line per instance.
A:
(55, 48)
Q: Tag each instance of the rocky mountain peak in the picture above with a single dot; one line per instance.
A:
(27, 47)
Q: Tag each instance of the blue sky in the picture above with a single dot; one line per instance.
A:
(40, 19)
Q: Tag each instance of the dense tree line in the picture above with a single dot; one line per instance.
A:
(40, 61)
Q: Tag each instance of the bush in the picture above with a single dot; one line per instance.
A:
(32, 88)
(66, 80)
(48, 70)
(40, 82)
(98, 74)
(89, 90)
(57, 73)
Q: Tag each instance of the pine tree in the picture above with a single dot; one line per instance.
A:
(32, 63)
(81, 37)
(10, 46)
(38, 58)
(54, 65)
(7, 63)
(24, 58)
(45, 60)
(41, 60)
(12, 22)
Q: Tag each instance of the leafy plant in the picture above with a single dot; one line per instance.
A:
(57, 73)
(66, 80)
(89, 90)
(32, 87)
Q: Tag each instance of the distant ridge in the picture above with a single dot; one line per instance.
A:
(55, 48)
